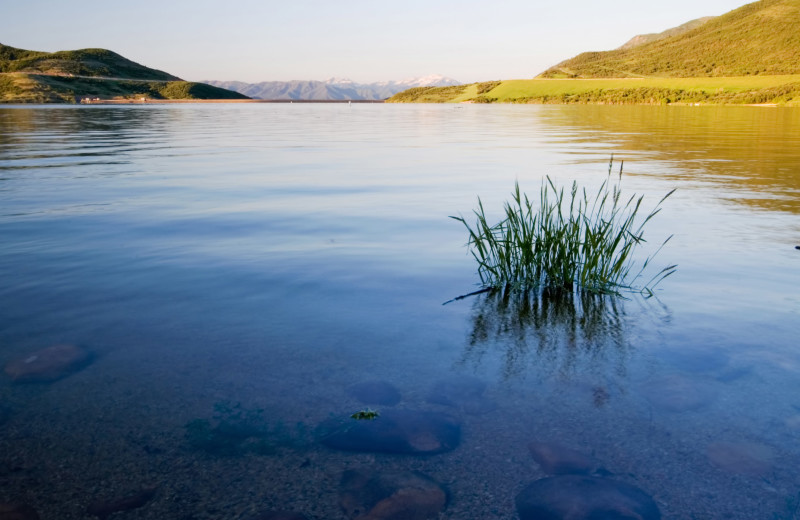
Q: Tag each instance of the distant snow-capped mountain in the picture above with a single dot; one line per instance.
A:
(333, 89)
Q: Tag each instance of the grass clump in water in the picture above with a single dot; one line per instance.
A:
(568, 241)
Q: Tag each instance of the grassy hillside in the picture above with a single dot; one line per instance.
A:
(84, 62)
(641, 39)
(67, 76)
(783, 90)
(34, 88)
(758, 38)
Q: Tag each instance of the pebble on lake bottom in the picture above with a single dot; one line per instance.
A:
(48, 364)
(575, 497)
(560, 460)
(367, 495)
(744, 458)
(679, 393)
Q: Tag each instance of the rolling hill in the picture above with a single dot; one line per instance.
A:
(758, 38)
(641, 39)
(68, 76)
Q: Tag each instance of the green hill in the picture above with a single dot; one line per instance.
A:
(758, 38)
(641, 39)
(84, 62)
(68, 76)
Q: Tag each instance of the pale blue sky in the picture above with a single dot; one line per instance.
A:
(361, 40)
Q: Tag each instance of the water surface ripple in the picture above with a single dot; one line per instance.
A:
(234, 271)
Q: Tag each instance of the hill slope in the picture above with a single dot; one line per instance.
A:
(67, 76)
(641, 39)
(758, 38)
(84, 62)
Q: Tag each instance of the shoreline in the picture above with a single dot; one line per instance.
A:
(189, 101)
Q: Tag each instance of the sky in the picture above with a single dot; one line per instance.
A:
(365, 41)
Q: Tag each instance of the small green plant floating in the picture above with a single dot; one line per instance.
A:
(568, 241)
(365, 415)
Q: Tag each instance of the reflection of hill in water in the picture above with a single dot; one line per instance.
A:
(79, 137)
(755, 151)
(562, 335)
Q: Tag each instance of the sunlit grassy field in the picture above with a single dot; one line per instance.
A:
(520, 88)
(784, 89)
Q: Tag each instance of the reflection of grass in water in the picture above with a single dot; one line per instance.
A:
(235, 430)
(566, 241)
(561, 329)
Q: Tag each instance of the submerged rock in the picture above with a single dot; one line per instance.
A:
(375, 392)
(18, 512)
(366, 495)
(48, 364)
(280, 515)
(677, 393)
(5, 414)
(574, 497)
(454, 390)
(559, 460)
(104, 509)
(746, 458)
(697, 360)
(394, 431)
(464, 393)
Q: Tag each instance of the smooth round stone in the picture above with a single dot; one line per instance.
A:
(394, 431)
(745, 458)
(456, 390)
(48, 364)
(375, 392)
(410, 495)
(677, 393)
(464, 393)
(575, 497)
(18, 512)
(559, 460)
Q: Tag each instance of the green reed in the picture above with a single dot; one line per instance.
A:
(567, 240)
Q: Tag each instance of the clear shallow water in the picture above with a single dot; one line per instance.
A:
(273, 255)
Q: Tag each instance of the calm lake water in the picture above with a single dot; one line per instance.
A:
(232, 264)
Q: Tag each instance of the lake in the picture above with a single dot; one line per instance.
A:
(244, 277)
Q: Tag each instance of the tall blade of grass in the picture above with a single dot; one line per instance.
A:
(561, 243)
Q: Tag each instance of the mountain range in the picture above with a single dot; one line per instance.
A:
(333, 89)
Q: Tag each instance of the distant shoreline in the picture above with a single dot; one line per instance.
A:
(757, 90)
(185, 101)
